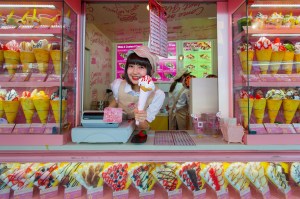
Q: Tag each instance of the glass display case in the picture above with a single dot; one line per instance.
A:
(266, 71)
(37, 72)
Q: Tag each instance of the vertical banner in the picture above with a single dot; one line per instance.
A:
(158, 38)
(121, 57)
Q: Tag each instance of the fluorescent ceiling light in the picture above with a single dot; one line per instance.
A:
(26, 35)
(275, 5)
(26, 6)
(275, 35)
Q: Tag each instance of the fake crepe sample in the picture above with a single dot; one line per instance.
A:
(141, 176)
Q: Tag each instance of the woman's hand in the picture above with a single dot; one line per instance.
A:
(141, 116)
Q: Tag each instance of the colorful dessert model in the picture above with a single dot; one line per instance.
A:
(276, 173)
(295, 172)
(278, 51)
(65, 174)
(236, 177)
(288, 21)
(254, 171)
(116, 176)
(288, 59)
(263, 51)
(166, 176)
(1, 54)
(213, 174)
(297, 57)
(11, 54)
(89, 175)
(43, 178)
(245, 104)
(27, 105)
(189, 174)
(274, 20)
(3, 93)
(259, 106)
(11, 106)
(290, 105)
(274, 101)
(146, 88)
(58, 61)
(41, 53)
(258, 22)
(59, 105)
(41, 103)
(26, 55)
(142, 177)
(246, 53)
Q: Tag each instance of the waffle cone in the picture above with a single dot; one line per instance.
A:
(1, 109)
(259, 106)
(243, 59)
(273, 107)
(55, 55)
(57, 65)
(1, 56)
(43, 67)
(263, 57)
(246, 109)
(42, 108)
(28, 109)
(288, 62)
(27, 57)
(276, 60)
(290, 107)
(12, 69)
(297, 59)
(41, 55)
(55, 104)
(11, 110)
(11, 54)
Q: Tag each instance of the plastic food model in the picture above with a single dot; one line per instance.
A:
(3, 93)
(89, 175)
(254, 171)
(26, 55)
(55, 104)
(236, 177)
(189, 174)
(263, 51)
(11, 106)
(297, 56)
(43, 177)
(288, 58)
(245, 107)
(278, 52)
(141, 176)
(41, 103)
(213, 174)
(290, 105)
(55, 53)
(244, 56)
(166, 175)
(259, 106)
(274, 101)
(65, 174)
(11, 54)
(277, 175)
(116, 176)
(27, 105)
(295, 172)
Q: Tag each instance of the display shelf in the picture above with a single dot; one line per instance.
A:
(35, 85)
(291, 32)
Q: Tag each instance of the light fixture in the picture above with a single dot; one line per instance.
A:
(275, 35)
(26, 35)
(275, 6)
(180, 57)
(26, 6)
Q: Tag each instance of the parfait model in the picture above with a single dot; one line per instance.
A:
(274, 101)
(246, 53)
(278, 51)
(41, 53)
(263, 51)
(11, 106)
(27, 105)
(245, 104)
(11, 56)
(258, 22)
(274, 20)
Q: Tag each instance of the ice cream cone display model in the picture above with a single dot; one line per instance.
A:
(11, 56)
(274, 101)
(42, 55)
(278, 51)
(245, 105)
(290, 106)
(27, 106)
(11, 106)
(59, 105)
(275, 19)
(146, 88)
(288, 59)
(276, 173)
(3, 93)
(55, 54)
(26, 55)
(1, 54)
(263, 51)
(297, 57)
(141, 176)
(41, 103)
(255, 173)
(246, 53)
(259, 105)
(259, 20)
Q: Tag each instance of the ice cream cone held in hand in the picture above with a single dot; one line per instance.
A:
(288, 59)
(42, 55)
(246, 53)
(259, 106)
(41, 103)
(11, 106)
(278, 51)
(245, 104)
(11, 54)
(274, 101)
(263, 51)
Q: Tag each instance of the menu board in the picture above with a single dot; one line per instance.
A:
(198, 57)
(121, 56)
(158, 37)
(166, 70)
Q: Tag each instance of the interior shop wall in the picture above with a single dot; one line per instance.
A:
(99, 77)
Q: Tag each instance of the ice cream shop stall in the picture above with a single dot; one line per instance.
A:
(60, 139)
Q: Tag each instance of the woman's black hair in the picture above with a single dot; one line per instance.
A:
(133, 58)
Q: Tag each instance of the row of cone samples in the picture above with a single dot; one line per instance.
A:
(40, 56)
(270, 61)
(258, 106)
(29, 106)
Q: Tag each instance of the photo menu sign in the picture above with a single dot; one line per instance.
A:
(158, 37)
(121, 57)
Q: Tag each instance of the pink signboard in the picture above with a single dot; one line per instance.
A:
(121, 57)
